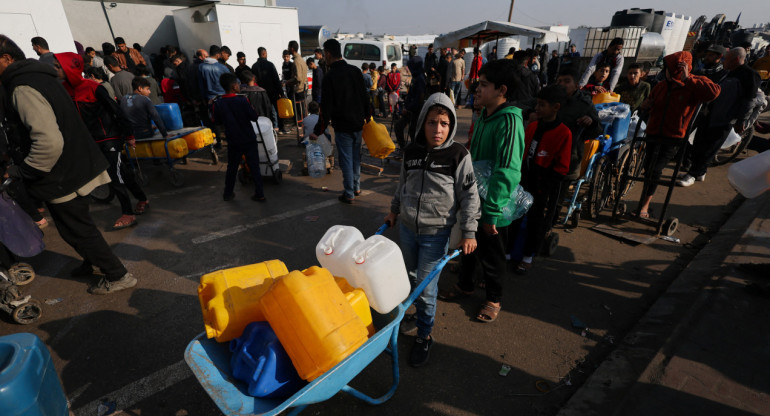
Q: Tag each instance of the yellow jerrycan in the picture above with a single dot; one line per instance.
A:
(177, 148)
(378, 140)
(285, 108)
(230, 298)
(606, 97)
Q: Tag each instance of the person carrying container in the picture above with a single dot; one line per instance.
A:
(436, 183)
(671, 105)
(498, 137)
(611, 56)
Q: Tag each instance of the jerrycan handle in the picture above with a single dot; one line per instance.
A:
(362, 258)
(329, 243)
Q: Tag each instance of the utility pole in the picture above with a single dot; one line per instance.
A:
(510, 12)
(104, 9)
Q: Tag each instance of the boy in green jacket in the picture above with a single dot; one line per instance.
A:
(498, 136)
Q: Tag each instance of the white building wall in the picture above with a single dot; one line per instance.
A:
(23, 20)
(150, 26)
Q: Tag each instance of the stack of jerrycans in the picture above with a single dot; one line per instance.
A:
(375, 265)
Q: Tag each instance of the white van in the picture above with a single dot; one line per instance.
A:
(356, 52)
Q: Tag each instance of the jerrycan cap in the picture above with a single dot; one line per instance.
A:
(328, 250)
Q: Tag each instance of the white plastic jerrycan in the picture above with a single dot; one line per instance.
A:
(751, 177)
(379, 269)
(330, 250)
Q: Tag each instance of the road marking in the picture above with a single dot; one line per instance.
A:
(139, 390)
(275, 218)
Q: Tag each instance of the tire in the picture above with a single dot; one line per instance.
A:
(552, 244)
(277, 176)
(102, 194)
(724, 156)
(600, 189)
(21, 274)
(28, 312)
(214, 157)
(575, 220)
(670, 226)
(243, 176)
(176, 178)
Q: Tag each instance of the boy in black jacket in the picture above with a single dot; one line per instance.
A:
(236, 114)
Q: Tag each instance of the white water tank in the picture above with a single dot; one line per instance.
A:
(669, 31)
(685, 26)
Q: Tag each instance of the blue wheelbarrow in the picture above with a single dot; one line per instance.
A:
(210, 362)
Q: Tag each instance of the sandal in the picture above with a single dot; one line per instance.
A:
(141, 207)
(42, 223)
(454, 293)
(124, 222)
(488, 312)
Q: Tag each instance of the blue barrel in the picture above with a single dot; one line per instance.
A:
(260, 361)
(29, 385)
(171, 115)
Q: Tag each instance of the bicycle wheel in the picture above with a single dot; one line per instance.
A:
(103, 194)
(633, 159)
(600, 189)
(727, 155)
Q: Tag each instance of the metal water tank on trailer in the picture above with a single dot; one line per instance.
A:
(633, 17)
(651, 47)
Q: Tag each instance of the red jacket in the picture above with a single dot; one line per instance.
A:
(554, 150)
(394, 82)
(475, 68)
(674, 101)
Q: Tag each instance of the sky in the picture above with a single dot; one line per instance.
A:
(415, 17)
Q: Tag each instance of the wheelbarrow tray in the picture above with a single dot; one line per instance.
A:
(210, 362)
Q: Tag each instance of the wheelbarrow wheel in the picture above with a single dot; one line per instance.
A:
(141, 178)
(575, 219)
(102, 194)
(176, 177)
(214, 157)
(243, 176)
(277, 176)
(599, 191)
(21, 273)
(622, 209)
(553, 244)
(28, 312)
(670, 226)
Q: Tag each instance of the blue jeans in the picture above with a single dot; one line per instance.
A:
(456, 87)
(349, 155)
(421, 254)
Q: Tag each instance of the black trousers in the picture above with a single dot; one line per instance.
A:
(122, 177)
(490, 253)
(74, 223)
(656, 158)
(705, 146)
(235, 153)
(540, 218)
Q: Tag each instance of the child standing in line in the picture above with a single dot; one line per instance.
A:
(546, 162)
(498, 137)
(436, 182)
(599, 80)
(236, 114)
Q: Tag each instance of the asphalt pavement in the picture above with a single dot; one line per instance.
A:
(125, 351)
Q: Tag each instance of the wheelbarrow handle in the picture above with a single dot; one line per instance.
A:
(382, 229)
(432, 275)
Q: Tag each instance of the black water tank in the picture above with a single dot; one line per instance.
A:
(633, 17)
(658, 20)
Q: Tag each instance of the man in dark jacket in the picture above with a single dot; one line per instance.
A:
(193, 91)
(346, 107)
(109, 128)
(57, 160)
(738, 86)
(267, 77)
(530, 84)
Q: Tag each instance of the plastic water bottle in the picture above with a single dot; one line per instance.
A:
(520, 200)
(316, 162)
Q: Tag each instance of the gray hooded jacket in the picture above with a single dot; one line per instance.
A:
(437, 184)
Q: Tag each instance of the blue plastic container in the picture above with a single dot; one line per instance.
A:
(171, 115)
(29, 385)
(618, 129)
(260, 361)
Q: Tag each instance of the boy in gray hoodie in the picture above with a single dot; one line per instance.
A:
(436, 183)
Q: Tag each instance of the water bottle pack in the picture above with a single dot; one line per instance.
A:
(520, 200)
(316, 162)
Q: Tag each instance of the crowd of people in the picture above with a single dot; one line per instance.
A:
(68, 115)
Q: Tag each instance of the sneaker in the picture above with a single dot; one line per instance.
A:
(687, 180)
(105, 287)
(420, 352)
(409, 324)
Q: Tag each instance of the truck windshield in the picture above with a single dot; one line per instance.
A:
(361, 52)
(394, 53)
